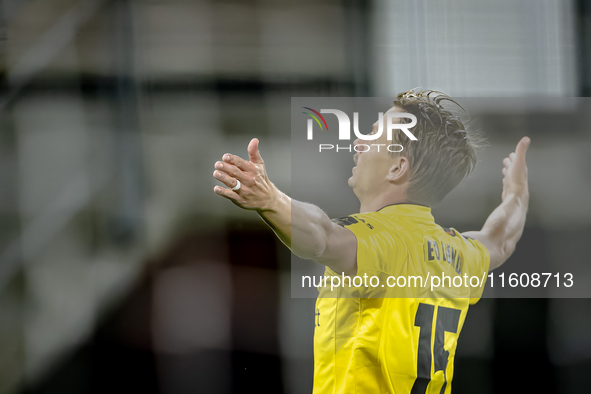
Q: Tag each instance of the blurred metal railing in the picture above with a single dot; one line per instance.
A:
(47, 47)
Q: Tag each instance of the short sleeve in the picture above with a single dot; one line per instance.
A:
(360, 225)
(478, 265)
(376, 249)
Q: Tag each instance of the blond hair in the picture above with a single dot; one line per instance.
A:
(445, 152)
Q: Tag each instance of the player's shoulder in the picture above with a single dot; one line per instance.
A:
(450, 234)
(462, 241)
(359, 220)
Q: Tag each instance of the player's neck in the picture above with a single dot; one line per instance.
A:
(375, 202)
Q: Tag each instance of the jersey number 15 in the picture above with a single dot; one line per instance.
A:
(447, 320)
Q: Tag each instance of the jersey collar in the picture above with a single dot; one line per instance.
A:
(407, 209)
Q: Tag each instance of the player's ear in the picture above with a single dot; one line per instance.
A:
(399, 170)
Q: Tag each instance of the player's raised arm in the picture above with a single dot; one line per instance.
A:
(504, 226)
(303, 227)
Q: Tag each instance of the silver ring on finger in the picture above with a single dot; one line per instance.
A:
(238, 185)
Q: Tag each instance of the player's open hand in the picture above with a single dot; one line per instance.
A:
(247, 181)
(515, 171)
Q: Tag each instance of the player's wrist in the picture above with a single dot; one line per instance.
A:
(522, 196)
(274, 202)
(519, 195)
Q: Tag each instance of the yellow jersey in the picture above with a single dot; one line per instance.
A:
(370, 340)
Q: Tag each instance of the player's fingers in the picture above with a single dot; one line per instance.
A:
(237, 161)
(512, 157)
(225, 179)
(504, 171)
(506, 162)
(253, 151)
(231, 170)
(522, 146)
(227, 193)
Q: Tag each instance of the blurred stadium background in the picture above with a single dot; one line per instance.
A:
(122, 271)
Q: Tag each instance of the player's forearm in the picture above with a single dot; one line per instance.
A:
(503, 228)
(301, 226)
(507, 221)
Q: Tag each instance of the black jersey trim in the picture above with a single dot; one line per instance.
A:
(345, 221)
(403, 203)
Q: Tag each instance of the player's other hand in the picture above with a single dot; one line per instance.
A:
(256, 190)
(515, 171)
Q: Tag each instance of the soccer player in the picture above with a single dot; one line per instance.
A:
(403, 344)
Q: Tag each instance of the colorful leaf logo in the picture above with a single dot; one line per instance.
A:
(316, 117)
